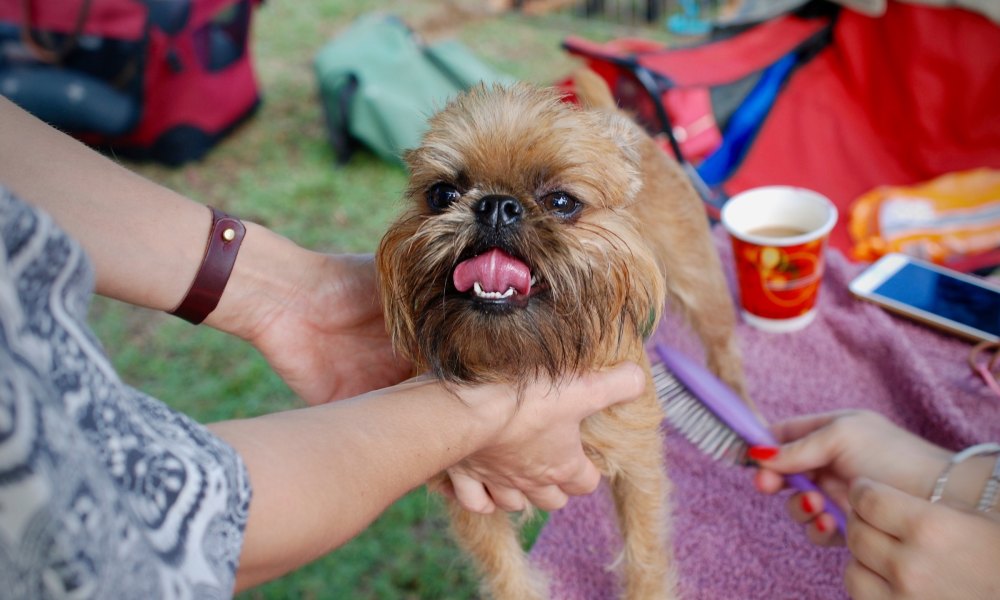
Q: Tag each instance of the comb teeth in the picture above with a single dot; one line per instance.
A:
(694, 421)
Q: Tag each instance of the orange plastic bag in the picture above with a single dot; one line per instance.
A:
(943, 220)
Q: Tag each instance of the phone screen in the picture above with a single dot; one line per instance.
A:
(937, 293)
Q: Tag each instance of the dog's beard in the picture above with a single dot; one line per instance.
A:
(582, 298)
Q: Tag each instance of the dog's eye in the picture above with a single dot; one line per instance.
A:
(441, 195)
(561, 203)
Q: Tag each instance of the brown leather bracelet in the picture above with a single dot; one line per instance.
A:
(223, 244)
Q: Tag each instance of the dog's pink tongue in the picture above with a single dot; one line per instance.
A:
(495, 270)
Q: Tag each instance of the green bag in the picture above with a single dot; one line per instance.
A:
(378, 85)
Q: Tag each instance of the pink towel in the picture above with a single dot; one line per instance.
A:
(731, 542)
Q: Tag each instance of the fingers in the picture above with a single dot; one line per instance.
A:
(585, 481)
(506, 498)
(884, 507)
(538, 459)
(808, 443)
(621, 383)
(510, 499)
(548, 498)
(871, 548)
(801, 508)
(916, 549)
(484, 498)
(470, 493)
(806, 508)
(805, 454)
(768, 482)
(874, 531)
(799, 427)
(861, 583)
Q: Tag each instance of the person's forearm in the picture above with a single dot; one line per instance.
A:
(129, 226)
(146, 241)
(321, 474)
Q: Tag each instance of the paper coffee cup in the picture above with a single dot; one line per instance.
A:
(779, 236)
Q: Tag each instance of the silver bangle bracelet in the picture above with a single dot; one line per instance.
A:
(977, 450)
(989, 495)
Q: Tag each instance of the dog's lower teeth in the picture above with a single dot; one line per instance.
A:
(478, 290)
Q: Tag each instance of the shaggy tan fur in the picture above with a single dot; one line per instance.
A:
(602, 276)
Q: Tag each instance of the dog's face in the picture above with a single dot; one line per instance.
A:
(517, 254)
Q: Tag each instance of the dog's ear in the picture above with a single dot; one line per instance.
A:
(594, 96)
(592, 91)
(624, 133)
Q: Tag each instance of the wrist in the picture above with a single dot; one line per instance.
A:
(267, 272)
(926, 468)
(967, 478)
(473, 416)
(222, 248)
(491, 407)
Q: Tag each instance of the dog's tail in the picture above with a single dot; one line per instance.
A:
(591, 90)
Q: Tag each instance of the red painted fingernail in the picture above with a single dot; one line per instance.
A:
(820, 525)
(762, 452)
(807, 506)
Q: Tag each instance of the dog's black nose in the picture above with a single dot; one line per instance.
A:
(498, 211)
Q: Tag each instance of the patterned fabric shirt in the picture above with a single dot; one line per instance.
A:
(105, 492)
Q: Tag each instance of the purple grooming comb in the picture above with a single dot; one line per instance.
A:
(710, 415)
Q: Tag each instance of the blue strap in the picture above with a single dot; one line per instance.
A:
(746, 121)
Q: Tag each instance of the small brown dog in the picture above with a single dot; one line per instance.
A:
(544, 238)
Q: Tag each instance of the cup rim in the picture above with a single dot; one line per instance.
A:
(813, 234)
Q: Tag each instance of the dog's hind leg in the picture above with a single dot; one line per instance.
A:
(492, 540)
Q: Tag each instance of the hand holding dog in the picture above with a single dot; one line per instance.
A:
(322, 331)
(902, 545)
(540, 459)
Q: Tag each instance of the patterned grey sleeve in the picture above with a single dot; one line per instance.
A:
(104, 491)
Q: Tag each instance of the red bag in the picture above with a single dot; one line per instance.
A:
(689, 97)
(686, 78)
(145, 79)
(894, 100)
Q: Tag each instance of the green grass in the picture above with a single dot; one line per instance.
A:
(278, 170)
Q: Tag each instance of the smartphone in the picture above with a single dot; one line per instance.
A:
(938, 296)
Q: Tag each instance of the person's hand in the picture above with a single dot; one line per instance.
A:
(835, 448)
(903, 546)
(538, 457)
(325, 335)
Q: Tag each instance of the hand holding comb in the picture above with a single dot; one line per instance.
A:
(712, 417)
